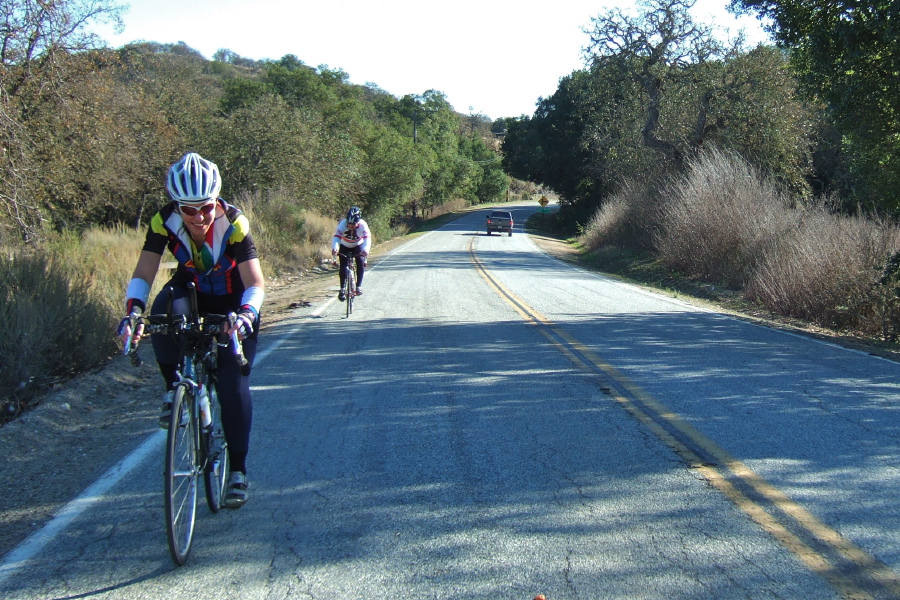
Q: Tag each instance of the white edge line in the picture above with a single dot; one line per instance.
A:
(92, 495)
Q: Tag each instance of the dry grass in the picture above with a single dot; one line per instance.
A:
(289, 238)
(54, 322)
(627, 219)
(450, 206)
(724, 224)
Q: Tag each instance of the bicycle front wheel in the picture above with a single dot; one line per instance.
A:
(351, 289)
(215, 471)
(181, 475)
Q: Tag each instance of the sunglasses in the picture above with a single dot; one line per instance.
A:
(190, 211)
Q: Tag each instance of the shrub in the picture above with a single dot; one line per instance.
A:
(825, 270)
(722, 222)
(628, 218)
(289, 238)
(720, 219)
(108, 256)
(53, 323)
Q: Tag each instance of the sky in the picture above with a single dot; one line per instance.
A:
(490, 57)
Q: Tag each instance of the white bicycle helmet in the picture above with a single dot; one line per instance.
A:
(193, 179)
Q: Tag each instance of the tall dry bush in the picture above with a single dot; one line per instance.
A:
(288, 237)
(826, 269)
(628, 218)
(52, 323)
(61, 303)
(720, 219)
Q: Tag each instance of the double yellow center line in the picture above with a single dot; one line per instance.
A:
(850, 570)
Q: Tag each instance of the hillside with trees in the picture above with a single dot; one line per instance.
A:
(88, 132)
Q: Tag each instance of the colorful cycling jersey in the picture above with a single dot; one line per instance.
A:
(212, 266)
(352, 238)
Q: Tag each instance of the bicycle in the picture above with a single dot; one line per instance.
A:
(349, 287)
(195, 442)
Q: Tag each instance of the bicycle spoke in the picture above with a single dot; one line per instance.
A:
(181, 477)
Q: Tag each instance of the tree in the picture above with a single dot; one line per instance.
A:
(659, 50)
(846, 53)
(36, 38)
(584, 140)
(488, 181)
(760, 113)
(35, 33)
(100, 147)
(657, 90)
(392, 178)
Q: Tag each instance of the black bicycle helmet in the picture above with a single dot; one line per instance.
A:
(354, 215)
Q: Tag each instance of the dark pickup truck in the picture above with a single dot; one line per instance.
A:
(499, 220)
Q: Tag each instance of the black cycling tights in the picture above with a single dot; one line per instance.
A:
(360, 264)
(232, 386)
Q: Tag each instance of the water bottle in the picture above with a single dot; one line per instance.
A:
(203, 399)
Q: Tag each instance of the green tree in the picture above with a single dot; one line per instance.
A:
(100, 147)
(491, 182)
(36, 39)
(665, 52)
(243, 92)
(846, 53)
(581, 140)
(759, 113)
(392, 178)
(657, 90)
(435, 128)
(178, 80)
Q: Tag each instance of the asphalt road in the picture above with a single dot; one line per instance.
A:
(492, 423)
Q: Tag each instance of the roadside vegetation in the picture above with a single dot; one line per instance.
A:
(88, 132)
(63, 297)
(722, 223)
(770, 172)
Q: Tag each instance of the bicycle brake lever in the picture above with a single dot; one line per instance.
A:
(130, 349)
(238, 350)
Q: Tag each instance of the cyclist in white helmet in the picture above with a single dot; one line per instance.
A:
(211, 241)
(352, 240)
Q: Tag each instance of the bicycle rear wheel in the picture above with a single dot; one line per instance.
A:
(215, 471)
(181, 475)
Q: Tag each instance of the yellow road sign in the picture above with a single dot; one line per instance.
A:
(543, 201)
